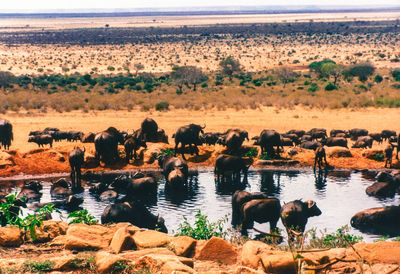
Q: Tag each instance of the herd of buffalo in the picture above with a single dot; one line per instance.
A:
(229, 167)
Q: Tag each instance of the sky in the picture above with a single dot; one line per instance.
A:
(37, 5)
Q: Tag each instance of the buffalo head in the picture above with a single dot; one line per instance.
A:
(160, 225)
(312, 209)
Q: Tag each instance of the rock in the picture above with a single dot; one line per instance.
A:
(218, 250)
(55, 155)
(150, 239)
(323, 257)
(64, 263)
(247, 270)
(6, 159)
(11, 236)
(338, 152)
(382, 252)
(134, 255)
(251, 251)
(164, 264)
(82, 236)
(373, 154)
(183, 246)
(382, 189)
(49, 230)
(153, 149)
(122, 240)
(59, 240)
(279, 262)
(106, 262)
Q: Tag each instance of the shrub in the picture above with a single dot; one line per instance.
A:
(202, 229)
(252, 152)
(82, 216)
(110, 68)
(362, 71)
(38, 266)
(340, 238)
(162, 106)
(378, 78)
(265, 156)
(313, 87)
(204, 85)
(166, 152)
(396, 74)
(330, 87)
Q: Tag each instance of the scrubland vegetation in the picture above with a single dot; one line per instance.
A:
(324, 65)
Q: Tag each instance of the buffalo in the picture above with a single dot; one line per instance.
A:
(363, 142)
(267, 140)
(335, 132)
(297, 132)
(60, 188)
(295, 215)
(210, 138)
(388, 155)
(377, 137)
(31, 190)
(310, 145)
(335, 141)
(6, 133)
(174, 169)
(229, 163)
(149, 130)
(76, 160)
(233, 139)
(188, 135)
(106, 144)
(357, 132)
(382, 220)
(320, 157)
(261, 211)
(132, 144)
(134, 213)
(386, 134)
(41, 140)
(238, 199)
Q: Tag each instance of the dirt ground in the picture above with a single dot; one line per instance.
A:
(30, 160)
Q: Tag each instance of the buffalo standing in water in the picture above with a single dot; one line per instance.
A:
(188, 135)
(6, 134)
(76, 160)
(106, 144)
(134, 213)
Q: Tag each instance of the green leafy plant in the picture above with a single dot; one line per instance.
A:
(340, 238)
(121, 267)
(379, 157)
(166, 152)
(265, 156)
(82, 216)
(31, 221)
(202, 229)
(252, 152)
(38, 266)
(382, 239)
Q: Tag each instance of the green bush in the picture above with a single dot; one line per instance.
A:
(166, 152)
(252, 152)
(202, 229)
(162, 106)
(340, 238)
(31, 266)
(265, 156)
(396, 74)
(313, 88)
(82, 216)
(378, 78)
(330, 86)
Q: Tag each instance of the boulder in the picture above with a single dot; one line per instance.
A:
(55, 155)
(153, 149)
(338, 152)
(323, 257)
(49, 230)
(107, 262)
(164, 264)
(183, 246)
(6, 159)
(150, 239)
(218, 250)
(65, 263)
(122, 240)
(82, 236)
(11, 236)
(373, 154)
(251, 251)
(379, 252)
(279, 262)
(247, 270)
(134, 255)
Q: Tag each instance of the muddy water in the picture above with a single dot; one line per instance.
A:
(338, 194)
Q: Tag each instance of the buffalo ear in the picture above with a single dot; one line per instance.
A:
(310, 203)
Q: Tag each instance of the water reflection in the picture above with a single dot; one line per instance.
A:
(339, 195)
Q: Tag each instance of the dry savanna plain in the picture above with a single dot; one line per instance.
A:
(248, 71)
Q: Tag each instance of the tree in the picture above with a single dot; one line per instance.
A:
(362, 71)
(317, 65)
(230, 66)
(186, 75)
(286, 75)
(6, 79)
(332, 69)
(138, 67)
